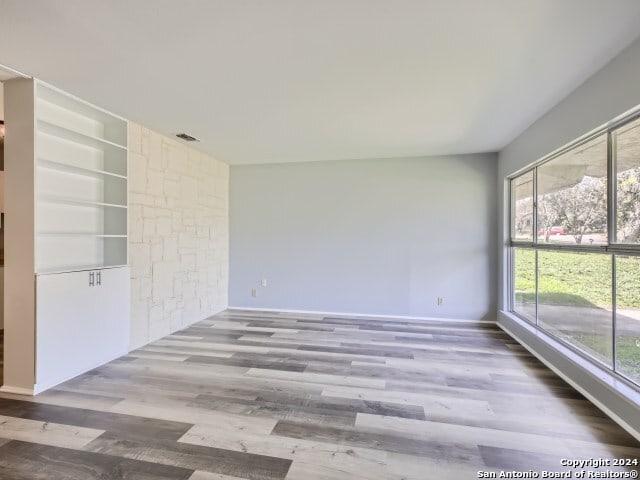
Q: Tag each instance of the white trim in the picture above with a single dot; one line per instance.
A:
(602, 376)
(14, 71)
(350, 314)
(86, 103)
(148, 340)
(39, 387)
(17, 390)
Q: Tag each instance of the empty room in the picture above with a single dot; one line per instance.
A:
(337, 239)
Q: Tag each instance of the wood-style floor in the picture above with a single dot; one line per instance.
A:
(274, 396)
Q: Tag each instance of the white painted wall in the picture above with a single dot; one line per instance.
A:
(19, 300)
(178, 235)
(367, 236)
(1, 231)
(1, 102)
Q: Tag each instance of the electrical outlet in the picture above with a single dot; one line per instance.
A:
(264, 282)
(440, 300)
(254, 292)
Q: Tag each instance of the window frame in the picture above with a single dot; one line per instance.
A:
(534, 216)
(611, 247)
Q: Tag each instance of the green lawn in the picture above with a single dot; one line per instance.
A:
(577, 279)
(584, 280)
(628, 356)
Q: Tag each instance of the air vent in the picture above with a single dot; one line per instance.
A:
(186, 137)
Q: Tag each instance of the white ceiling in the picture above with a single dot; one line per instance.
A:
(298, 80)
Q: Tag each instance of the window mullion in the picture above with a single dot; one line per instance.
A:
(534, 217)
(535, 238)
(607, 150)
(614, 313)
(612, 233)
(611, 190)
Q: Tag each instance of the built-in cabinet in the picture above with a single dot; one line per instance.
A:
(83, 321)
(72, 219)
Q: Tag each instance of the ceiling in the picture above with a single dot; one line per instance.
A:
(299, 80)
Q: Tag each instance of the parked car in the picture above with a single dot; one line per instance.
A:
(557, 230)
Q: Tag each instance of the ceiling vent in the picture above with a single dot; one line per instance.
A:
(186, 137)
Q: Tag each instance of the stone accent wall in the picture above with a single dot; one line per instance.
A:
(178, 235)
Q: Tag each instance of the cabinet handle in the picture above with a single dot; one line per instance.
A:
(91, 279)
(98, 278)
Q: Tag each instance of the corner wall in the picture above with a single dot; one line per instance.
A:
(178, 235)
(610, 92)
(19, 238)
(379, 236)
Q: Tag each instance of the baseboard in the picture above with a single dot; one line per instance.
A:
(17, 390)
(603, 381)
(133, 347)
(358, 315)
(41, 387)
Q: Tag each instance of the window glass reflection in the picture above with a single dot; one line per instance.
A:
(572, 196)
(627, 143)
(575, 300)
(522, 207)
(628, 316)
(524, 301)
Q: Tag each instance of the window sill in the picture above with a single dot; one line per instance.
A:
(613, 395)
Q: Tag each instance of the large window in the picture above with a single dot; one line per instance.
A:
(524, 282)
(575, 247)
(523, 207)
(627, 148)
(628, 316)
(572, 196)
(574, 300)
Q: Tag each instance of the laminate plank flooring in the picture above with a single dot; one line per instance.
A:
(264, 395)
(27, 461)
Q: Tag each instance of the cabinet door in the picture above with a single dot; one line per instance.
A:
(79, 326)
(114, 302)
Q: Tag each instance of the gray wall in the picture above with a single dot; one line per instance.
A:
(610, 92)
(366, 236)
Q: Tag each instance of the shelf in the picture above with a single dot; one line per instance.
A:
(81, 185)
(75, 105)
(77, 268)
(71, 135)
(78, 234)
(77, 203)
(89, 172)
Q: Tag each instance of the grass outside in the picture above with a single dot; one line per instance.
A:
(584, 280)
(627, 351)
(577, 279)
(628, 356)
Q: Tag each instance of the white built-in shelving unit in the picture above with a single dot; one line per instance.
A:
(81, 185)
(66, 237)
